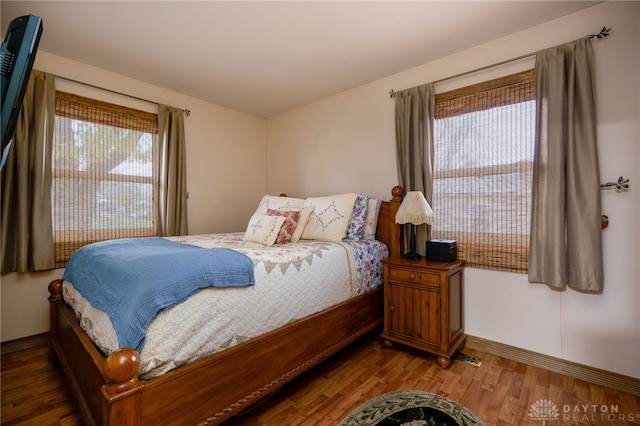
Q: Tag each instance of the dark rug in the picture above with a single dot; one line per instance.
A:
(411, 408)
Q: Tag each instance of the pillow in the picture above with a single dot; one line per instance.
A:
(291, 218)
(305, 213)
(278, 203)
(330, 218)
(263, 229)
(356, 226)
(371, 223)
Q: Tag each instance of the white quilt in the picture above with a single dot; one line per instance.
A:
(292, 281)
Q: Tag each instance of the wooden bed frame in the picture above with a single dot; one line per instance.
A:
(211, 390)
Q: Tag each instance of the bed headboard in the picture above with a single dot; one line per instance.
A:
(388, 231)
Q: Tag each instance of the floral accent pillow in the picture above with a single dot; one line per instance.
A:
(263, 229)
(358, 218)
(291, 218)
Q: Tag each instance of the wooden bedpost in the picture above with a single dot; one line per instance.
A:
(122, 388)
(397, 236)
(388, 231)
(55, 299)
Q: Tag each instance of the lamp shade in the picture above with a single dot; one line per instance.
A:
(415, 210)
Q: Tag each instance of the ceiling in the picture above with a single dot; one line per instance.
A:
(266, 57)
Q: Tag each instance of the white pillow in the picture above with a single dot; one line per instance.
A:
(371, 222)
(331, 217)
(278, 203)
(263, 229)
(305, 213)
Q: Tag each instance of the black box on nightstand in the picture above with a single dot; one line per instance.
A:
(442, 250)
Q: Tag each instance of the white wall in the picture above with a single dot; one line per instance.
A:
(225, 180)
(346, 143)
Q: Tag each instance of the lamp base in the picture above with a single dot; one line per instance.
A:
(412, 255)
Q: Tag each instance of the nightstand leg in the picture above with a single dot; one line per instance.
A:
(444, 361)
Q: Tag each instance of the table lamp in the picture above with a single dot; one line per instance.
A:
(414, 210)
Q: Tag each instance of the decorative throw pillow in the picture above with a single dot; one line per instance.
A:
(263, 229)
(305, 213)
(358, 218)
(291, 218)
(278, 203)
(371, 222)
(330, 218)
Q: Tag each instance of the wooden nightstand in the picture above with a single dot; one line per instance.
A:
(423, 306)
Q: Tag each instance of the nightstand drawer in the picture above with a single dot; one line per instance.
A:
(421, 277)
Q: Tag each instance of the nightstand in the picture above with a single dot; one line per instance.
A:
(423, 306)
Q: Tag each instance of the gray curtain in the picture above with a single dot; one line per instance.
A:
(172, 188)
(415, 112)
(566, 234)
(27, 230)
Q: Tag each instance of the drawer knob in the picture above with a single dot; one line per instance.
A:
(392, 308)
(413, 276)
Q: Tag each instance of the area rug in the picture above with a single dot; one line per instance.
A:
(411, 408)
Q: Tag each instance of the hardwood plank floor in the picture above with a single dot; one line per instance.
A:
(500, 391)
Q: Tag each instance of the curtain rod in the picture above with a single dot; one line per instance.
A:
(186, 111)
(602, 34)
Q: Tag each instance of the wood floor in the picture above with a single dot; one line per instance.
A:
(500, 391)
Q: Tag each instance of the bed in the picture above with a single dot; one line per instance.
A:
(110, 390)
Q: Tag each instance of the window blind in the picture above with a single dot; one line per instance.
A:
(104, 173)
(484, 137)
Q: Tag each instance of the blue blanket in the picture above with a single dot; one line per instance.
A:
(134, 279)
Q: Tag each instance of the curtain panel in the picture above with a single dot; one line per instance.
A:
(414, 114)
(27, 231)
(566, 235)
(172, 187)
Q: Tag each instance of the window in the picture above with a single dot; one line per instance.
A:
(104, 173)
(484, 137)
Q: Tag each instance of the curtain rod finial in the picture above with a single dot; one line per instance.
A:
(604, 32)
(621, 185)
